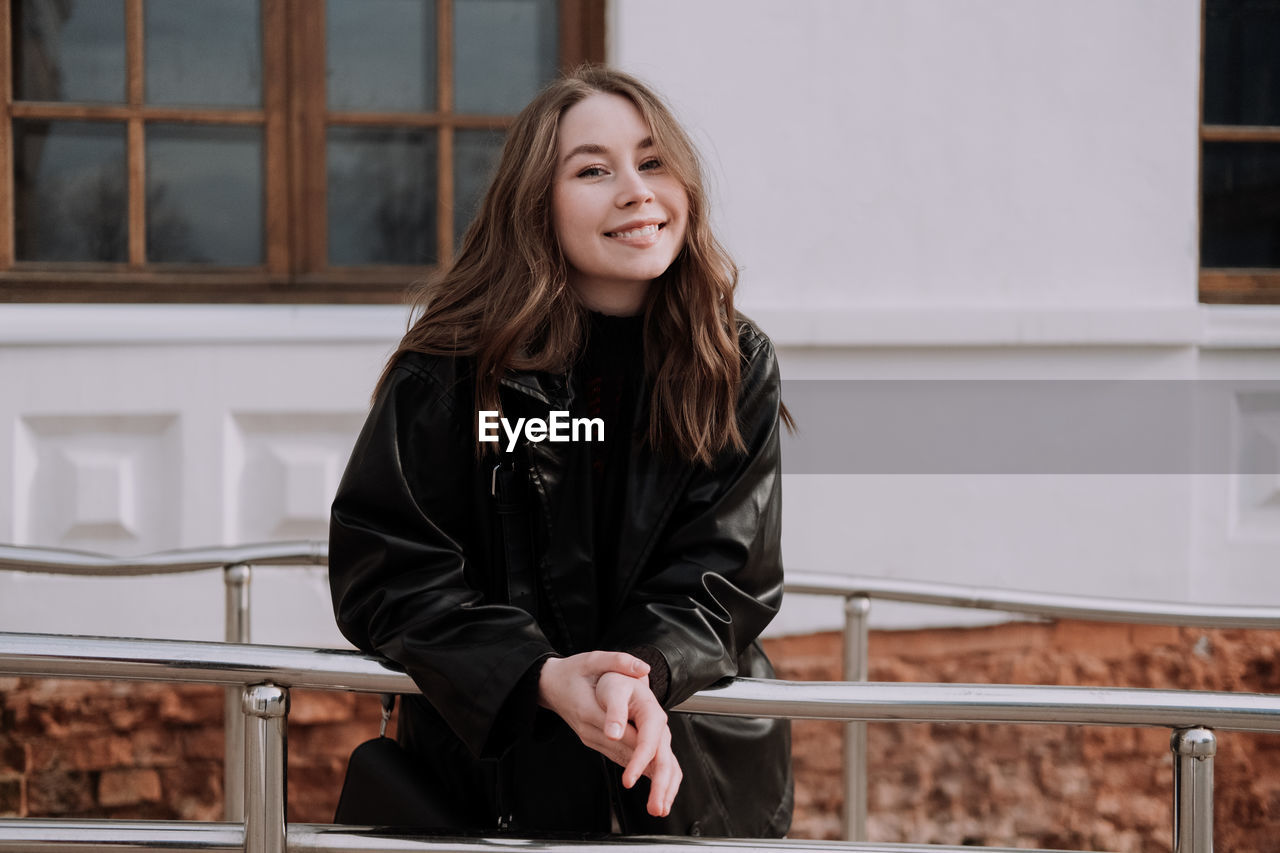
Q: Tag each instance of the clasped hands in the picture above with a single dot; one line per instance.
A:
(605, 698)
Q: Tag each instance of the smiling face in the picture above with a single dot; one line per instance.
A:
(618, 213)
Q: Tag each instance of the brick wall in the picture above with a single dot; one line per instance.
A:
(1041, 786)
(88, 749)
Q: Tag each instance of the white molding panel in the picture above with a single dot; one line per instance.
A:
(127, 448)
(283, 470)
(108, 482)
(1255, 510)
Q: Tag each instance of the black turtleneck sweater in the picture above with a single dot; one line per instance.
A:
(611, 371)
(608, 375)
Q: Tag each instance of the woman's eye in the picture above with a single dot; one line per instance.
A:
(591, 172)
(651, 163)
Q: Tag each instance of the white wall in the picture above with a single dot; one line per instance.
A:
(920, 189)
(935, 153)
(915, 189)
(136, 429)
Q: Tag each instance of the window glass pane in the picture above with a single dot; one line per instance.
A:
(71, 200)
(504, 52)
(381, 55)
(204, 52)
(1240, 220)
(66, 50)
(382, 196)
(204, 194)
(1242, 62)
(475, 154)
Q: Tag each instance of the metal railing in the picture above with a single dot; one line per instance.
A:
(236, 564)
(264, 675)
(857, 592)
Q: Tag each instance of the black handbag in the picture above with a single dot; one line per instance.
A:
(385, 786)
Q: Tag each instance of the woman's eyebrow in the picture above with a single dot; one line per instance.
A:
(597, 148)
(585, 148)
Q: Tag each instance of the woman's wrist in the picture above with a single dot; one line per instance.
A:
(547, 674)
(659, 672)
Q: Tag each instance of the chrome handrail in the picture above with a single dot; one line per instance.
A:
(155, 836)
(228, 664)
(59, 561)
(266, 673)
(798, 582)
(857, 593)
(236, 563)
(1048, 605)
(197, 662)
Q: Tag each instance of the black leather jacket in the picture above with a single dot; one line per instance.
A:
(417, 575)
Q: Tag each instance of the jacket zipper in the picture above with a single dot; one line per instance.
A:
(615, 796)
(505, 818)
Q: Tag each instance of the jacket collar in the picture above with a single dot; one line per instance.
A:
(553, 389)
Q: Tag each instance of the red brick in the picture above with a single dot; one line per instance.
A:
(15, 754)
(83, 753)
(1010, 637)
(46, 690)
(124, 719)
(313, 796)
(191, 706)
(128, 787)
(195, 791)
(323, 706)
(204, 742)
(1145, 636)
(13, 796)
(157, 746)
(1101, 640)
(59, 793)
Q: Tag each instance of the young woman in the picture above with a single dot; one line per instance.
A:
(552, 589)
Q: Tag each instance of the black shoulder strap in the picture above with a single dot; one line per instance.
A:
(388, 705)
(510, 496)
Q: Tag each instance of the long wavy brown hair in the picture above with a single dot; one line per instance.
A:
(506, 301)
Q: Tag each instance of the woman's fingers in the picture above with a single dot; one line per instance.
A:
(663, 771)
(615, 697)
(619, 662)
(629, 699)
(651, 726)
(674, 776)
(605, 698)
(664, 779)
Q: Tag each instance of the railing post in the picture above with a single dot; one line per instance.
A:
(265, 765)
(1193, 751)
(236, 621)
(856, 609)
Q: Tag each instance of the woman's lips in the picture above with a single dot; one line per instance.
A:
(645, 235)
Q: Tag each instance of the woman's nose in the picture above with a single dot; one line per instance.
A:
(633, 189)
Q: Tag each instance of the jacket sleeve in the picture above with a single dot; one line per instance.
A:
(398, 570)
(714, 580)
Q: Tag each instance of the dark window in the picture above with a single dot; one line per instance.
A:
(259, 150)
(1240, 152)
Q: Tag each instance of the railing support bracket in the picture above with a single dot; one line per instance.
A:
(857, 609)
(1193, 752)
(266, 707)
(236, 580)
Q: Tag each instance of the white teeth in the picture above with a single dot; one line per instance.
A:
(638, 232)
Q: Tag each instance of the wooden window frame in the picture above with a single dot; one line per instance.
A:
(1234, 286)
(294, 117)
